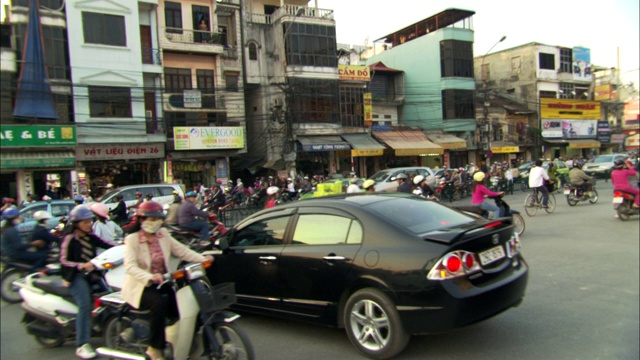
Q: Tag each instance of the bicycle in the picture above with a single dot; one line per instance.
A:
(533, 202)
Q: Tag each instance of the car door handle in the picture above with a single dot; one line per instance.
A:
(267, 258)
(335, 258)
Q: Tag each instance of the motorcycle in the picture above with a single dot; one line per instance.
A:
(623, 205)
(50, 311)
(575, 194)
(203, 329)
(505, 210)
(192, 238)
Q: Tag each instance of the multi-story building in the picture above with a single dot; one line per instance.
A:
(554, 85)
(436, 58)
(116, 91)
(203, 99)
(38, 130)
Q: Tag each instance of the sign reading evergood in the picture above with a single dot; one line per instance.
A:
(37, 135)
(198, 138)
(119, 151)
(569, 109)
(353, 72)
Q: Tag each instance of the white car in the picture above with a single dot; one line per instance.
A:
(386, 180)
(162, 193)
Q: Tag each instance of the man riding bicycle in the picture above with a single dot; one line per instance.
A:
(537, 175)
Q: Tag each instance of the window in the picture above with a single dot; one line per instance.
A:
(547, 61)
(383, 87)
(351, 105)
(61, 209)
(266, 232)
(109, 101)
(516, 65)
(486, 71)
(566, 91)
(166, 190)
(253, 51)
(566, 60)
(310, 45)
(231, 80)
(456, 58)
(173, 17)
(320, 229)
(547, 94)
(103, 29)
(176, 80)
(457, 104)
(205, 80)
(313, 100)
(54, 39)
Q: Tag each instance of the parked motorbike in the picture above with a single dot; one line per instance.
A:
(575, 194)
(50, 311)
(623, 205)
(505, 210)
(203, 329)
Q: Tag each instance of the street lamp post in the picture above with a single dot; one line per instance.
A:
(485, 104)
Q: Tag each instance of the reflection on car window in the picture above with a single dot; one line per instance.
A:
(130, 194)
(166, 190)
(355, 233)
(266, 232)
(320, 229)
(27, 214)
(380, 176)
(418, 216)
(60, 210)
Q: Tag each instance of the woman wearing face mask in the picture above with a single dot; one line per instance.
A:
(146, 259)
(12, 244)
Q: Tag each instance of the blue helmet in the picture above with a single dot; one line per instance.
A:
(10, 213)
(79, 199)
(191, 194)
(80, 213)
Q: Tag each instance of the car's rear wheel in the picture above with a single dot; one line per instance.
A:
(373, 324)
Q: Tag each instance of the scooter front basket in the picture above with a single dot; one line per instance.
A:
(212, 298)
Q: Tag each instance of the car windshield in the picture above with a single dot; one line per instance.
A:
(380, 176)
(524, 166)
(603, 159)
(418, 216)
(106, 195)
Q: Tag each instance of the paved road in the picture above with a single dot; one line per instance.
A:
(582, 302)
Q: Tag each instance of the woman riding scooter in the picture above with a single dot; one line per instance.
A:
(620, 179)
(146, 259)
(480, 191)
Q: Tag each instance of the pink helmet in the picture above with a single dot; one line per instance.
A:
(100, 210)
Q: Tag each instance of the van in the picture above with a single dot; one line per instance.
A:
(162, 193)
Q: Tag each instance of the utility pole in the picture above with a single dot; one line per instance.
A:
(485, 105)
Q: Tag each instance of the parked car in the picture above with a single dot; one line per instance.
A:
(57, 209)
(386, 180)
(560, 165)
(382, 266)
(602, 165)
(162, 193)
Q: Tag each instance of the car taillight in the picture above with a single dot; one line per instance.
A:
(454, 264)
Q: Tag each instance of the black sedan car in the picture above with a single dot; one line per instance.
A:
(382, 266)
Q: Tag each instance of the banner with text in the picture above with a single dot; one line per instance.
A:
(198, 138)
(569, 109)
(37, 135)
(353, 72)
(89, 152)
(569, 129)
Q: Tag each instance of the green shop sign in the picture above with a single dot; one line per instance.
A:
(37, 135)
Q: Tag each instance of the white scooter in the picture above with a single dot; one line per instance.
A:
(50, 311)
(204, 328)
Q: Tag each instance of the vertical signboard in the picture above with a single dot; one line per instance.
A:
(368, 109)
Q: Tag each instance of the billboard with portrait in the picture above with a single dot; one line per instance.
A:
(569, 129)
(582, 63)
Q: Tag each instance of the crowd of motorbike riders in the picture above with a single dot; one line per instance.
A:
(92, 225)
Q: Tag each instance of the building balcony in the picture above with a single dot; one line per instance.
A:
(192, 40)
(193, 101)
(292, 11)
(151, 60)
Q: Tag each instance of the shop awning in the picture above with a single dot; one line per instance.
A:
(576, 143)
(322, 143)
(448, 141)
(408, 142)
(274, 165)
(22, 160)
(363, 145)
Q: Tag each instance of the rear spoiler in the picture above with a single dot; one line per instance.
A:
(449, 237)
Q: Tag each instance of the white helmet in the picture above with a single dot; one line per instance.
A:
(272, 190)
(418, 179)
(41, 215)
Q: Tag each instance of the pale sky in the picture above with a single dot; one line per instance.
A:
(599, 26)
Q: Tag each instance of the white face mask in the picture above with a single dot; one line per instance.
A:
(151, 226)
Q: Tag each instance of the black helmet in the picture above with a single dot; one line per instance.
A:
(619, 164)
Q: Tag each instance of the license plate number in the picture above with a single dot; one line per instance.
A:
(618, 200)
(491, 255)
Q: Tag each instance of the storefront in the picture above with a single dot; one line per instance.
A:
(409, 147)
(316, 155)
(508, 153)
(569, 127)
(455, 149)
(363, 154)
(38, 160)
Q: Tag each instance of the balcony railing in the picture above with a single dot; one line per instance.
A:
(188, 36)
(151, 56)
(205, 101)
(293, 11)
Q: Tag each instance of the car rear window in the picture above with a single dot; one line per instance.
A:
(602, 159)
(418, 216)
(166, 190)
(380, 176)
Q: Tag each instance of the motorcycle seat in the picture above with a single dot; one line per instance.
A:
(52, 285)
(16, 263)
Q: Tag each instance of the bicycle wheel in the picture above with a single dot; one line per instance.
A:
(530, 205)
(518, 222)
(551, 205)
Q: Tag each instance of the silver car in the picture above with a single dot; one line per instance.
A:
(602, 165)
(386, 180)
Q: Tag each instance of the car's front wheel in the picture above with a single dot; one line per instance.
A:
(373, 324)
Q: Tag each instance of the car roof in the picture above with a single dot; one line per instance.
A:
(40, 203)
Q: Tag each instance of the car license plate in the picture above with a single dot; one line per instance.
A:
(618, 200)
(491, 255)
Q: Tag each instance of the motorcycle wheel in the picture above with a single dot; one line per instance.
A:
(8, 291)
(593, 198)
(113, 340)
(382, 338)
(623, 211)
(456, 196)
(49, 342)
(234, 341)
(571, 199)
(518, 222)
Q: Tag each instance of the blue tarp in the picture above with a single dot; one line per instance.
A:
(33, 97)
